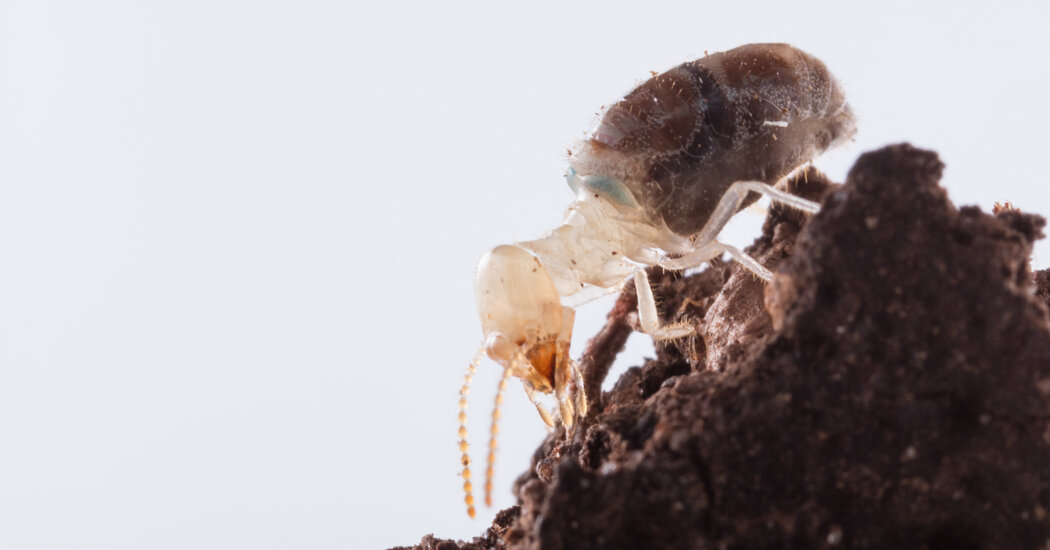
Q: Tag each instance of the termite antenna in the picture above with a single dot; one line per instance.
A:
(491, 462)
(464, 447)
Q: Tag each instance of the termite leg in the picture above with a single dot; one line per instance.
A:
(713, 250)
(464, 447)
(750, 263)
(735, 195)
(490, 465)
(649, 317)
(726, 209)
(694, 258)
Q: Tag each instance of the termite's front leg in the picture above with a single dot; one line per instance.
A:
(649, 317)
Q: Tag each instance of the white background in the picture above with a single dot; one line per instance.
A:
(237, 238)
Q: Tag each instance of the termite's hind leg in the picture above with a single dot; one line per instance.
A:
(734, 197)
(784, 197)
(649, 317)
(748, 262)
(490, 465)
(727, 208)
(464, 447)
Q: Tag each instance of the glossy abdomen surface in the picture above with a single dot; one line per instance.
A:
(680, 139)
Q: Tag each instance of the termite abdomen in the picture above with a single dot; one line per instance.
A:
(683, 137)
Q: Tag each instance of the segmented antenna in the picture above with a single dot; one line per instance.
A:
(468, 489)
(490, 465)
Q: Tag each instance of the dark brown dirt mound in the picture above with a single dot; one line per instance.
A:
(889, 389)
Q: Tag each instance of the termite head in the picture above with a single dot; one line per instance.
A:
(527, 329)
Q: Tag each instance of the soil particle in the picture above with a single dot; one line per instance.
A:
(889, 389)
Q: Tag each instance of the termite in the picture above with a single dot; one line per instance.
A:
(655, 182)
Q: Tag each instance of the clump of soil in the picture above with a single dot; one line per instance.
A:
(889, 389)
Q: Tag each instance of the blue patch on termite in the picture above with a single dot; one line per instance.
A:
(610, 188)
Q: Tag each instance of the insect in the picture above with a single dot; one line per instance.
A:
(661, 174)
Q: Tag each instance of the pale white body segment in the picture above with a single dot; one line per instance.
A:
(599, 245)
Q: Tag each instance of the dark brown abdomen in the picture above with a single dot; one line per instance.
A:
(697, 128)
